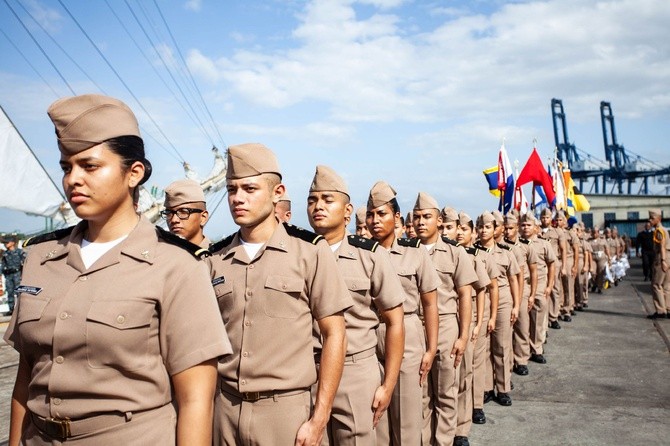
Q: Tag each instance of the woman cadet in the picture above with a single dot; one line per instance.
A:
(115, 315)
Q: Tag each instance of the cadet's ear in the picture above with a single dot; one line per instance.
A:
(277, 192)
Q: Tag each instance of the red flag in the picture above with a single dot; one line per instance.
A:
(534, 171)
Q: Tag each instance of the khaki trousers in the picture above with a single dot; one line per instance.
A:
(465, 378)
(581, 286)
(660, 285)
(556, 294)
(501, 342)
(405, 415)
(441, 394)
(266, 421)
(480, 360)
(521, 335)
(568, 282)
(601, 263)
(538, 319)
(158, 426)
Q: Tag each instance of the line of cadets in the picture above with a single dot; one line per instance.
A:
(442, 309)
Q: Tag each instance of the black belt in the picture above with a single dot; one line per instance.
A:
(62, 429)
(255, 396)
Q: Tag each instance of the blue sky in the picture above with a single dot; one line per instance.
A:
(418, 93)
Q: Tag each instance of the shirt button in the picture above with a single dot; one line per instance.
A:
(57, 401)
(60, 359)
(244, 381)
(83, 278)
(120, 319)
(249, 293)
(283, 287)
(63, 315)
(251, 266)
(247, 323)
(245, 354)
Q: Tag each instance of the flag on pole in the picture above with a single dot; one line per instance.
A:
(491, 176)
(576, 202)
(535, 171)
(520, 201)
(559, 184)
(505, 181)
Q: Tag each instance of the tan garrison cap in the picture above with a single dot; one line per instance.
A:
(425, 201)
(546, 211)
(464, 218)
(409, 217)
(249, 160)
(182, 192)
(498, 217)
(361, 212)
(511, 219)
(449, 214)
(326, 179)
(285, 197)
(381, 193)
(85, 121)
(527, 216)
(655, 213)
(485, 218)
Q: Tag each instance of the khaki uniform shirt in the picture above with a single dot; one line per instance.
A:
(572, 239)
(545, 255)
(661, 241)
(268, 305)
(373, 285)
(524, 256)
(507, 264)
(482, 271)
(613, 246)
(416, 271)
(554, 236)
(108, 338)
(455, 270)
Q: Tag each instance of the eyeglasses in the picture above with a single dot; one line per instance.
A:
(182, 214)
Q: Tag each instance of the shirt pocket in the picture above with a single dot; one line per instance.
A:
(225, 299)
(358, 287)
(445, 270)
(282, 297)
(118, 334)
(30, 308)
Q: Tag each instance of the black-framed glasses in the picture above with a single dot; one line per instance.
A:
(182, 213)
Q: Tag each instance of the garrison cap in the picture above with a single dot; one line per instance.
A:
(361, 213)
(381, 193)
(85, 121)
(546, 211)
(249, 160)
(425, 201)
(183, 191)
(498, 217)
(485, 218)
(511, 219)
(655, 213)
(464, 218)
(326, 179)
(409, 218)
(449, 214)
(527, 216)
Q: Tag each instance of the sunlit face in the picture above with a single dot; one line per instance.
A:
(527, 229)
(96, 184)
(485, 232)
(511, 231)
(427, 223)
(449, 229)
(409, 230)
(464, 235)
(498, 231)
(561, 221)
(328, 211)
(545, 220)
(191, 228)
(382, 221)
(362, 230)
(655, 220)
(252, 200)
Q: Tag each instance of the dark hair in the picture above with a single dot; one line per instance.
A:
(394, 205)
(130, 148)
(472, 226)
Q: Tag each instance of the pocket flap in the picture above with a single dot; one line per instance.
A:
(357, 283)
(285, 284)
(30, 308)
(223, 289)
(121, 314)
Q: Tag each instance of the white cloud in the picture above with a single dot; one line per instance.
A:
(49, 18)
(193, 5)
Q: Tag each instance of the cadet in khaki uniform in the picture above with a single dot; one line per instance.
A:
(362, 398)
(186, 211)
(660, 279)
(454, 304)
(584, 264)
(481, 293)
(283, 208)
(559, 244)
(361, 226)
(529, 228)
(528, 291)
(410, 232)
(508, 307)
(98, 366)
(601, 254)
(569, 279)
(272, 280)
(420, 281)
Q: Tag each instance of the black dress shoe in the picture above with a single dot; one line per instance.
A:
(585, 306)
(489, 395)
(567, 318)
(538, 358)
(667, 315)
(520, 370)
(656, 316)
(555, 325)
(461, 441)
(478, 416)
(504, 399)
(599, 291)
(579, 308)
(572, 313)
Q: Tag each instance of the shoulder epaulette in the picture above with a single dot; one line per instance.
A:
(195, 250)
(49, 236)
(510, 242)
(362, 242)
(411, 242)
(471, 250)
(450, 241)
(524, 241)
(303, 234)
(214, 247)
(504, 246)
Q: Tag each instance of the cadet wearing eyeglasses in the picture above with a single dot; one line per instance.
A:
(186, 211)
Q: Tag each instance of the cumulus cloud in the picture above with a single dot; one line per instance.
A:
(193, 5)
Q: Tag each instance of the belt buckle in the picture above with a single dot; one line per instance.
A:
(59, 429)
(251, 396)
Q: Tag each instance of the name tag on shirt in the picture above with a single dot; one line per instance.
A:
(218, 281)
(29, 289)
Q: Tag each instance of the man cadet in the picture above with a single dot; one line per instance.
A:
(527, 291)
(186, 211)
(660, 278)
(362, 398)
(584, 265)
(572, 257)
(454, 303)
(361, 226)
(409, 226)
(272, 281)
(283, 208)
(559, 244)
(12, 263)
